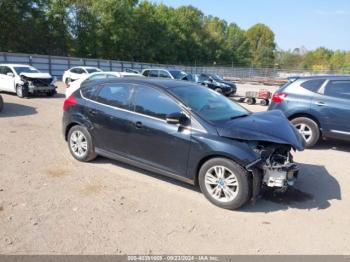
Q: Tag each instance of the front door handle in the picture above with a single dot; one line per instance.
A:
(138, 124)
(319, 103)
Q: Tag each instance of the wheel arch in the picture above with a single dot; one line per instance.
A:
(69, 127)
(207, 158)
(307, 115)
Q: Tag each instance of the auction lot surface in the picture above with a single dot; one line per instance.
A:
(52, 204)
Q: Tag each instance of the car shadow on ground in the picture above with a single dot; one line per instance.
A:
(333, 145)
(314, 189)
(13, 110)
(31, 96)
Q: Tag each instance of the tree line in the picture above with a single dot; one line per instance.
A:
(145, 31)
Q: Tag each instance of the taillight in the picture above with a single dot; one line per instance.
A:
(279, 97)
(70, 101)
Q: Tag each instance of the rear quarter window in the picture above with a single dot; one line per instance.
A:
(88, 91)
(313, 85)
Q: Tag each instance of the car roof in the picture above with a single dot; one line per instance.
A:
(156, 82)
(12, 65)
(320, 77)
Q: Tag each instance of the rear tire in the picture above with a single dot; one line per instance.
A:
(308, 129)
(80, 144)
(231, 181)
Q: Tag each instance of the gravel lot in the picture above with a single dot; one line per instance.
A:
(52, 204)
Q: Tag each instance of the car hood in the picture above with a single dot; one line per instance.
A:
(36, 75)
(271, 126)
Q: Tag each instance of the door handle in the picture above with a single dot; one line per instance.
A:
(92, 112)
(320, 103)
(138, 124)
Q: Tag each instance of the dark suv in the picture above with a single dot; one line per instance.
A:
(317, 106)
(185, 131)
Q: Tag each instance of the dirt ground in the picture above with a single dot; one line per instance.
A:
(52, 204)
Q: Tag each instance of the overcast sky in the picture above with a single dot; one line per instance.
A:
(296, 23)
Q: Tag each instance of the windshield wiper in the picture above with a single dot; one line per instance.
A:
(239, 116)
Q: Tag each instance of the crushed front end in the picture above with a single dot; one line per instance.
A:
(275, 168)
(38, 85)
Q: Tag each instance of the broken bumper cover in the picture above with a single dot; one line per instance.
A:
(40, 89)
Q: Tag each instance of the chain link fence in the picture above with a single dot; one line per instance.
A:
(56, 65)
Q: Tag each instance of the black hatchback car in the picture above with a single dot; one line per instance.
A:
(217, 84)
(185, 131)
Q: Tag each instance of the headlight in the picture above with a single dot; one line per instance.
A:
(224, 85)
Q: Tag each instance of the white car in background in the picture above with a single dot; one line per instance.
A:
(73, 86)
(78, 72)
(24, 80)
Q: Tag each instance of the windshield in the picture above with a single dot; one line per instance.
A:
(217, 78)
(92, 70)
(25, 69)
(209, 104)
(177, 74)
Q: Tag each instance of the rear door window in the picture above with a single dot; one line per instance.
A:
(153, 73)
(164, 74)
(313, 85)
(117, 95)
(338, 88)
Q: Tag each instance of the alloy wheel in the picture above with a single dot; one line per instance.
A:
(78, 144)
(305, 131)
(221, 183)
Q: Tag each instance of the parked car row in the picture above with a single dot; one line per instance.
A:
(211, 81)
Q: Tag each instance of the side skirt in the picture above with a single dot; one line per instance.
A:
(138, 164)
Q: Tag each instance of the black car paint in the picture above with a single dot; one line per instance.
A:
(172, 150)
(214, 83)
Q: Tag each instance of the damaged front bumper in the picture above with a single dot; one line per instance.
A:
(40, 89)
(275, 169)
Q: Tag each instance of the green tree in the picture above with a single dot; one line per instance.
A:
(262, 45)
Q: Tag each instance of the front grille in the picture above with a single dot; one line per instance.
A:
(41, 81)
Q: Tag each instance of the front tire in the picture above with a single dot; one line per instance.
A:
(224, 183)
(67, 82)
(80, 144)
(308, 129)
(22, 91)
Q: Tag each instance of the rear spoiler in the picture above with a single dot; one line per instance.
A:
(292, 79)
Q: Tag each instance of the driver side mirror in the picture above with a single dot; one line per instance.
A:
(10, 74)
(177, 118)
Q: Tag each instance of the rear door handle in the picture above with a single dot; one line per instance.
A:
(138, 124)
(320, 103)
(92, 112)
